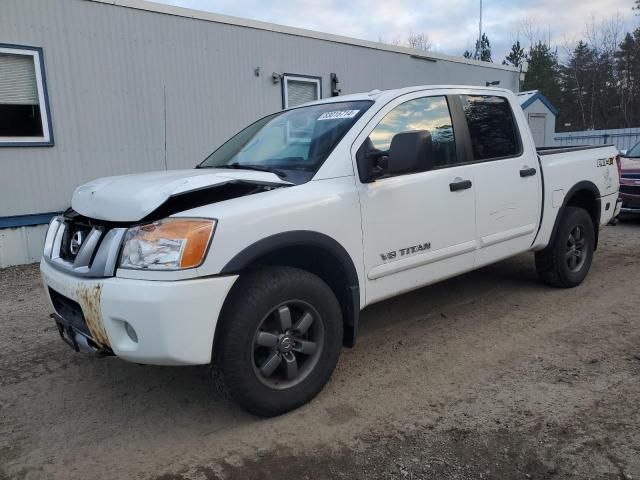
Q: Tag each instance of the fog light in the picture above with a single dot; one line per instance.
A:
(131, 332)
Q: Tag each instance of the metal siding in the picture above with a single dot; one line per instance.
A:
(622, 138)
(21, 245)
(108, 69)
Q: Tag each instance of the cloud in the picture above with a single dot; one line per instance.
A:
(452, 26)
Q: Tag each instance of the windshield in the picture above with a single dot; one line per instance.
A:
(635, 151)
(293, 144)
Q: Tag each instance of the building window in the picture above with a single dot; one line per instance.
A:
(24, 112)
(299, 89)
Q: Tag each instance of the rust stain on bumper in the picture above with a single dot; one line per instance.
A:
(89, 299)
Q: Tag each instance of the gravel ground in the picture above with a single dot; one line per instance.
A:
(489, 375)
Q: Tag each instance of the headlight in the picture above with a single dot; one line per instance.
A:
(50, 237)
(169, 244)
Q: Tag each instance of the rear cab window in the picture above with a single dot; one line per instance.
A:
(492, 127)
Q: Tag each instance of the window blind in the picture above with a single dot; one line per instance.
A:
(299, 92)
(18, 84)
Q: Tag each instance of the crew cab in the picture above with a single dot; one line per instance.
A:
(259, 260)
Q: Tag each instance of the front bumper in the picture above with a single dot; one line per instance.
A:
(630, 201)
(618, 208)
(174, 321)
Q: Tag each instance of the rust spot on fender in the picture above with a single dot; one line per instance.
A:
(89, 299)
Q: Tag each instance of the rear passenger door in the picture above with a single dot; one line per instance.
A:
(507, 178)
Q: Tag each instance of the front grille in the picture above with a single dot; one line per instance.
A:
(83, 246)
(70, 311)
(630, 189)
(74, 236)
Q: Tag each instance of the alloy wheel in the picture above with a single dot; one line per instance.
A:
(287, 344)
(575, 254)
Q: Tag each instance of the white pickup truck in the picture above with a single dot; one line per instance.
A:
(260, 259)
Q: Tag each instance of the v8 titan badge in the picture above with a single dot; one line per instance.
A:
(404, 252)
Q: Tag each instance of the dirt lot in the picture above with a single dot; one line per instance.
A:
(490, 375)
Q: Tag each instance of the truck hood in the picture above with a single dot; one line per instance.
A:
(129, 198)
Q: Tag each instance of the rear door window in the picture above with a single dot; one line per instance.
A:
(492, 127)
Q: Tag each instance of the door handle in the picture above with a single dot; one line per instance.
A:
(527, 172)
(460, 185)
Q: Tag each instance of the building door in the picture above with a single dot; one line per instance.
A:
(538, 126)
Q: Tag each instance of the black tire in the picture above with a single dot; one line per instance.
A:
(256, 309)
(558, 264)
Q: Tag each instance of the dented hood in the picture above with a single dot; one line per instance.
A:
(129, 198)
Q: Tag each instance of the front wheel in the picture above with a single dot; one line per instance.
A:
(279, 340)
(565, 262)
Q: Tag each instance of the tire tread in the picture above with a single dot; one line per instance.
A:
(548, 261)
(247, 298)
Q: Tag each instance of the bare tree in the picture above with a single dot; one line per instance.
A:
(419, 41)
(575, 71)
(396, 42)
(530, 29)
(604, 38)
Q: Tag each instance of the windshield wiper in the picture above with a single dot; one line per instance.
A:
(259, 168)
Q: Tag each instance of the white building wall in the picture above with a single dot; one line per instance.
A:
(538, 108)
(133, 89)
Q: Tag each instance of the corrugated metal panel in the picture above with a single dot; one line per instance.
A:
(622, 138)
(21, 245)
(133, 90)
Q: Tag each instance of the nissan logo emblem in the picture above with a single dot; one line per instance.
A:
(76, 242)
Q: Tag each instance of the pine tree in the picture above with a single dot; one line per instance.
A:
(482, 52)
(516, 57)
(543, 73)
(483, 49)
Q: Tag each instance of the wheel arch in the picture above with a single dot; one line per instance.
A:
(586, 195)
(314, 252)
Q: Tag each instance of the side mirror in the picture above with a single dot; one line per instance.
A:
(410, 152)
(371, 162)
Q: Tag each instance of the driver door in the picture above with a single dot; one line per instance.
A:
(419, 226)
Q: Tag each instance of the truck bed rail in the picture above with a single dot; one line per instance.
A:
(553, 150)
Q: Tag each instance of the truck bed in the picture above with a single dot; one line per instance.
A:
(565, 169)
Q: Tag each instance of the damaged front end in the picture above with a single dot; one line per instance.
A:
(87, 250)
(80, 324)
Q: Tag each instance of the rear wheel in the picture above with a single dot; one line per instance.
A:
(279, 340)
(566, 261)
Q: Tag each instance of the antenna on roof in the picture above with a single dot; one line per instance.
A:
(479, 44)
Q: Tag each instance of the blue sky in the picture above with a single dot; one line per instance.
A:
(451, 25)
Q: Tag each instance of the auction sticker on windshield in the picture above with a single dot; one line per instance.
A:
(338, 114)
